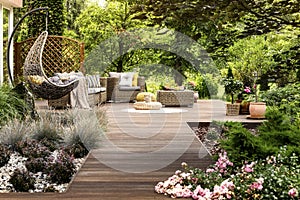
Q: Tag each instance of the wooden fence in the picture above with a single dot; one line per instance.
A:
(61, 54)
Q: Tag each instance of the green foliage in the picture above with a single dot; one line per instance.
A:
(277, 131)
(282, 95)
(287, 99)
(263, 54)
(11, 105)
(157, 82)
(239, 143)
(73, 9)
(97, 24)
(231, 85)
(208, 86)
(36, 22)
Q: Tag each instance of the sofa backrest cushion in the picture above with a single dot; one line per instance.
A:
(93, 81)
(126, 78)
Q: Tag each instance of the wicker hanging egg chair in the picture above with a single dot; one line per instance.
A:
(38, 82)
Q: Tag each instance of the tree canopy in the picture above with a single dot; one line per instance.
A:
(246, 35)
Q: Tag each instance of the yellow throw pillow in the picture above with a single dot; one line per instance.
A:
(140, 96)
(135, 79)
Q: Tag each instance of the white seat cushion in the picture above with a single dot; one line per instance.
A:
(96, 90)
(128, 88)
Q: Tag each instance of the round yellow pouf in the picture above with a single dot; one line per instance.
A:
(141, 96)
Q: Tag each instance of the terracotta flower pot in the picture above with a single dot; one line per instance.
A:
(257, 109)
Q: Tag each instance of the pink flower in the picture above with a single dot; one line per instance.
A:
(249, 167)
(293, 192)
(257, 185)
(247, 90)
(209, 170)
(200, 193)
(177, 172)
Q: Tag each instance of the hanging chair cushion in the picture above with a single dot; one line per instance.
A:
(65, 78)
(36, 79)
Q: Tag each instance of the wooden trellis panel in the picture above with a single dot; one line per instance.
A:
(61, 54)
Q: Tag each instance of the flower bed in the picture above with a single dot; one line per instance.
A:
(44, 155)
(275, 176)
(43, 176)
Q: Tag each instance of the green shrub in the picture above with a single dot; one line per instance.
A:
(240, 144)
(277, 131)
(287, 99)
(207, 87)
(277, 96)
(11, 105)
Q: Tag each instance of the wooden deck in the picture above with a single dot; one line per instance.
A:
(138, 150)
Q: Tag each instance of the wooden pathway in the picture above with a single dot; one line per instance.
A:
(139, 150)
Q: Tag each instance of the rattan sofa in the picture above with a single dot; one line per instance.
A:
(117, 93)
(95, 96)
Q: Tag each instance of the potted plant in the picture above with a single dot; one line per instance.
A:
(244, 98)
(232, 86)
(257, 109)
